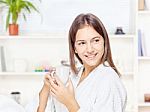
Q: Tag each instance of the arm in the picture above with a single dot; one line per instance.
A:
(44, 94)
(63, 94)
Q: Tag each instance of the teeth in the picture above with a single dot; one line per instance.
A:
(91, 56)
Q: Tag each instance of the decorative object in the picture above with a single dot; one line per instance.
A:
(16, 96)
(147, 97)
(141, 5)
(13, 29)
(15, 7)
(119, 30)
(20, 65)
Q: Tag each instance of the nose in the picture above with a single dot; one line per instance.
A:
(89, 48)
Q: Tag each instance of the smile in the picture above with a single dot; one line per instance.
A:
(91, 56)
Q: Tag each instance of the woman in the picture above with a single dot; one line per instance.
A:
(97, 86)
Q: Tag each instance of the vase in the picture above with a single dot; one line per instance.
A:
(13, 29)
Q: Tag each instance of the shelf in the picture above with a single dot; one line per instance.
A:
(121, 36)
(147, 104)
(144, 12)
(58, 36)
(36, 36)
(127, 73)
(144, 58)
(22, 73)
(130, 111)
(130, 74)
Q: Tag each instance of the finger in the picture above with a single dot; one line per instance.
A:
(53, 90)
(46, 82)
(47, 76)
(52, 79)
(53, 94)
(46, 79)
(58, 80)
(69, 86)
(53, 85)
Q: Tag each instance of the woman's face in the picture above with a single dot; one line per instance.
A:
(89, 46)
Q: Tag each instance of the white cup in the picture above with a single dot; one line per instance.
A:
(20, 65)
(63, 73)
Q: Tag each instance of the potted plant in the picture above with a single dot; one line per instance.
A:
(15, 8)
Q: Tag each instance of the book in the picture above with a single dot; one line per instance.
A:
(140, 52)
(2, 57)
(141, 43)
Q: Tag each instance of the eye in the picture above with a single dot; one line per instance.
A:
(96, 40)
(81, 43)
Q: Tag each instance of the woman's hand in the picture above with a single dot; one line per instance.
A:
(44, 93)
(63, 94)
(47, 78)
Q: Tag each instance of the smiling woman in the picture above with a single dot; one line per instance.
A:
(96, 87)
(89, 46)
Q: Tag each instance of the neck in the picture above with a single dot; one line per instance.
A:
(88, 69)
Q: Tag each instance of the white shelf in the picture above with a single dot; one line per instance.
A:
(36, 36)
(130, 111)
(144, 12)
(127, 73)
(60, 36)
(144, 58)
(42, 73)
(126, 36)
(144, 104)
(22, 73)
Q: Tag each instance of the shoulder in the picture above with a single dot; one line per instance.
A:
(107, 76)
(112, 84)
(106, 73)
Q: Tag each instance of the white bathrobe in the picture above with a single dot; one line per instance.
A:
(101, 91)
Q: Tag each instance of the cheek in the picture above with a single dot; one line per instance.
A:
(99, 48)
(79, 50)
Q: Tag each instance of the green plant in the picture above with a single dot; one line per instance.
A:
(15, 7)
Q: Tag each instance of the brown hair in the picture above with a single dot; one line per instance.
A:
(93, 21)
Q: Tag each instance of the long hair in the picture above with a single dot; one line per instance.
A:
(93, 21)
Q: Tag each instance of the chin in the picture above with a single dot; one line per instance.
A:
(92, 64)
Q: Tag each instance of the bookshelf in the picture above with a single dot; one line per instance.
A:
(143, 62)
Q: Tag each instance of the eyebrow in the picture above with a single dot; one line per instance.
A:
(96, 37)
(91, 39)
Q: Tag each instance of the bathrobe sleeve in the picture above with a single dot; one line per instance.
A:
(33, 105)
(111, 97)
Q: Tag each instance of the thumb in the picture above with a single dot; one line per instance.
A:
(69, 86)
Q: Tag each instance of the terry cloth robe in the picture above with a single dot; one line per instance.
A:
(101, 91)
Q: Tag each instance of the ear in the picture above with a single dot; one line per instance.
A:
(76, 51)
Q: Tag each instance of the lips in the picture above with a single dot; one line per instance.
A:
(91, 56)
